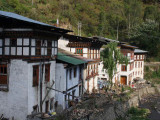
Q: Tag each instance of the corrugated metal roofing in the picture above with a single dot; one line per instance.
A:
(139, 51)
(130, 46)
(25, 19)
(74, 55)
(19, 17)
(102, 39)
(69, 59)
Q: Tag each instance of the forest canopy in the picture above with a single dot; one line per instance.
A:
(124, 20)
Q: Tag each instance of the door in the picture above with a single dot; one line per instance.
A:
(123, 80)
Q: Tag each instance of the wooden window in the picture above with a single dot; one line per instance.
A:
(70, 73)
(80, 90)
(49, 48)
(124, 68)
(79, 51)
(88, 70)
(68, 96)
(96, 53)
(73, 94)
(47, 72)
(93, 54)
(80, 73)
(35, 75)
(47, 106)
(13, 42)
(3, 74)
(88, 53)
(75, 72)
(51, 103)
(38, 47)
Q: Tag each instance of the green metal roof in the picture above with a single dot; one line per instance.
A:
(69, 59)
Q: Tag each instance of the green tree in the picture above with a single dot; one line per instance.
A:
(111, 56)
(147, 36)
(133, 13)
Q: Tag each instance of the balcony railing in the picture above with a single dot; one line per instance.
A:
(92, 75)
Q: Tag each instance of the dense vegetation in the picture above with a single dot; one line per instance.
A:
(152, 74)
(128, 20)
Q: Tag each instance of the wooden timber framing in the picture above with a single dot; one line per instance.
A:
(29, 35)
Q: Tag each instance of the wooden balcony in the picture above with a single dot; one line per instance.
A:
(92, 75)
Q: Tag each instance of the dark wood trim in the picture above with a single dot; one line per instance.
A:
(30, 46)
(72, 87)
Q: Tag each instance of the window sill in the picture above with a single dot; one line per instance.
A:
(4, 88)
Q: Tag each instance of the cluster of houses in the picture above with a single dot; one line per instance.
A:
(43, 68)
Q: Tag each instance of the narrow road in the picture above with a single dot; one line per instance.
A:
(152, 102)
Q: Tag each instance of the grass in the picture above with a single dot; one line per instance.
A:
(138, 113)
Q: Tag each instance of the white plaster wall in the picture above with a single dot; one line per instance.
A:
(102, 72)
(64, 82)
(139, 69)
(73, 50)
(60, 84)
(19, 41)
(0, 42)
(34, 92)
(0, 51)
(7, 41)
(14, 102)
(75, 80)
(13, 50)
(62, 43)
(25, 51)
(85, 51)
(19, 49)
(26, 41)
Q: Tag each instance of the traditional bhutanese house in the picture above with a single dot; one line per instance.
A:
(88, 48)
(127, 71)
(139, 56)
(69, 79)
(27, 65)
(102, 72)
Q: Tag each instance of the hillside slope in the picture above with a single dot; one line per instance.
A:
(116, 19)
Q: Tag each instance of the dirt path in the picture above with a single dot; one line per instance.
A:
(152, 102)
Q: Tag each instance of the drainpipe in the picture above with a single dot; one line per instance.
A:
(41, 86)
(66, 85)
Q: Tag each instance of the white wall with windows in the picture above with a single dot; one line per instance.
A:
(22, 95)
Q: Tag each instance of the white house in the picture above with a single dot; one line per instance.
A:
(125, 74)
(88, 48)
(69, 79)
(139, 56)
(27, 66)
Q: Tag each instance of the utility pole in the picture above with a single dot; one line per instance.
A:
(79, 28)
(41, 75)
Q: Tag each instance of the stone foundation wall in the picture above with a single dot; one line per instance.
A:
(120, 108)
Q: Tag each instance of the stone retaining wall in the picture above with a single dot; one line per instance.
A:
(120, 108)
